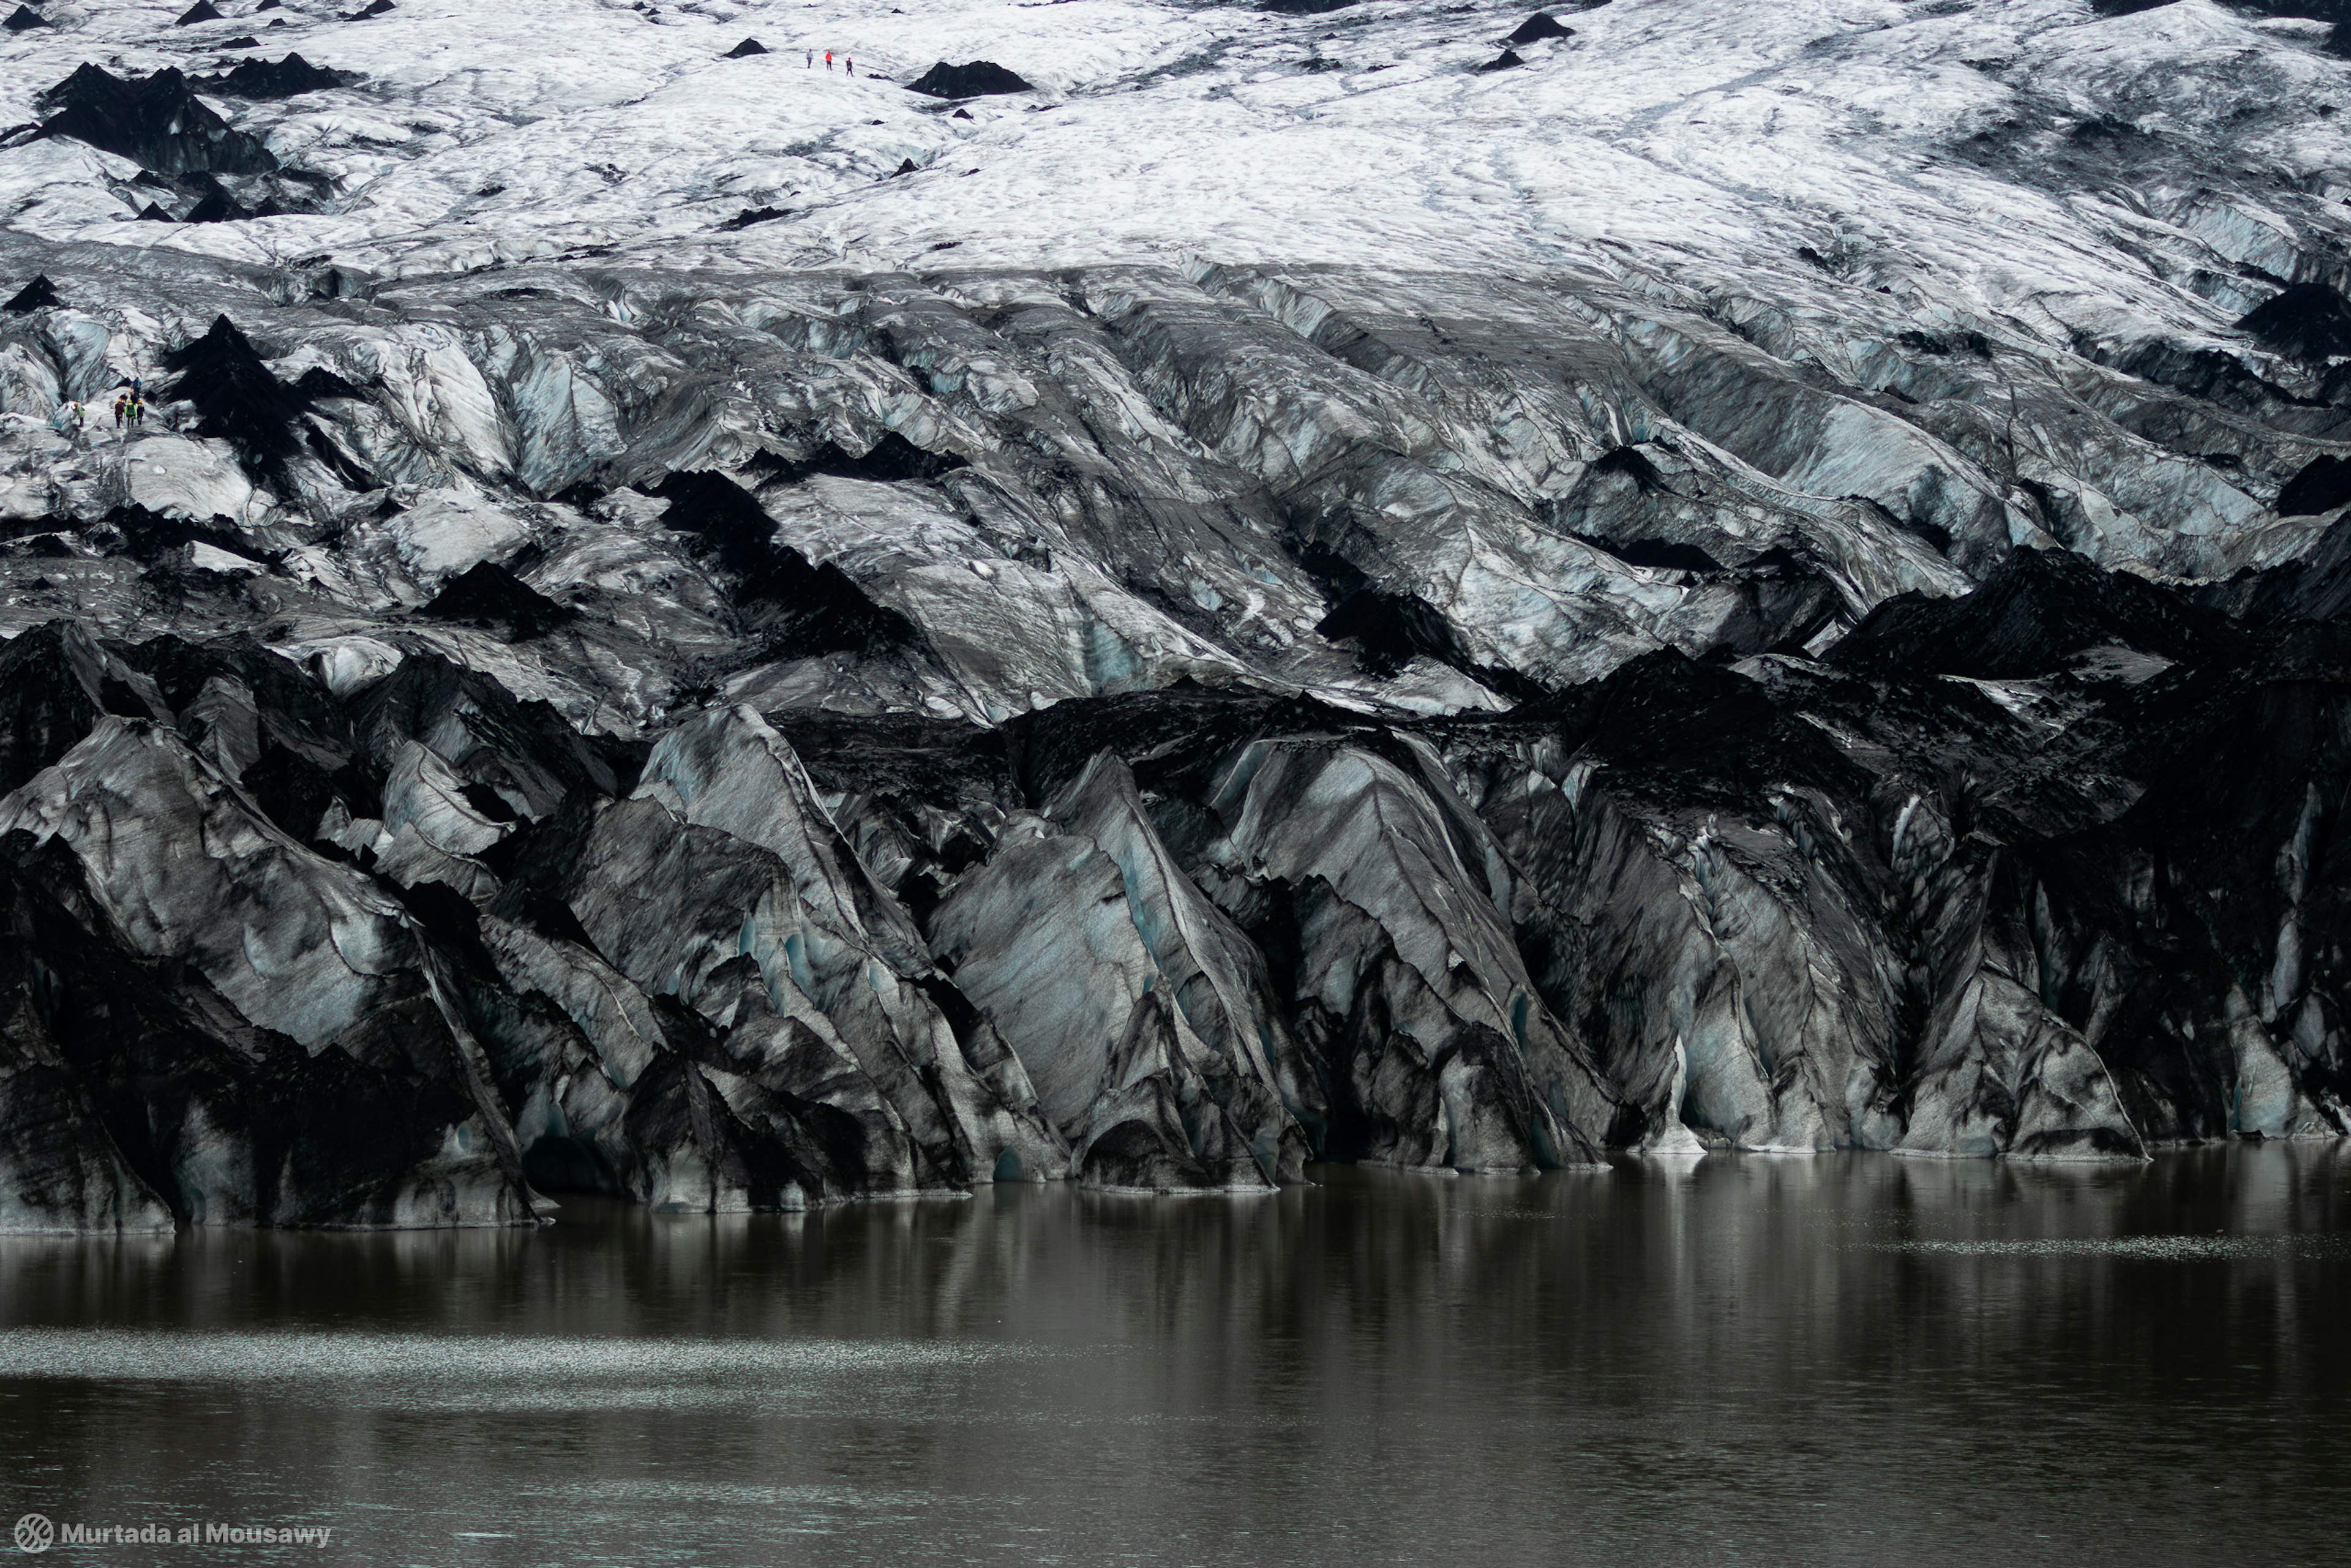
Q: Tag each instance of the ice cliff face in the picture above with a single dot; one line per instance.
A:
(1272, 586)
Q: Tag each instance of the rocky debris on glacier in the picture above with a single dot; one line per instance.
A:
(157, 121)
(2323, 486)
(236, 399)
(974, 78)
(796, 609)
(181, 145)
(2306, 322)
(39, 295)
(1536, 28)
(749, 215)
(290, 78)
(488, 595)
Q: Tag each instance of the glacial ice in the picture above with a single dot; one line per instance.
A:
(1763, 578)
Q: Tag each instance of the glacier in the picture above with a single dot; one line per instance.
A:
(1278, 585)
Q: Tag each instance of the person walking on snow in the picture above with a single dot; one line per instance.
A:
(828, 60)
(811, 60)
(849, 64)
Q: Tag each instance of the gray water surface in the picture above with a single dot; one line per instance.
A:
(1738, 1359)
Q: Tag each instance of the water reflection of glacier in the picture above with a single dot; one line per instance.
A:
(1838, 1358)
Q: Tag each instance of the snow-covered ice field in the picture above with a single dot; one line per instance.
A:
(1703, 136)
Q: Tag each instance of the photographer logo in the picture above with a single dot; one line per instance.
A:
(36, 1534)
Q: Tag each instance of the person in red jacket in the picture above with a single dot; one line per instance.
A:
(828, 60)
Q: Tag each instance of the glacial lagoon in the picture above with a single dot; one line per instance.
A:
(1849, 1358)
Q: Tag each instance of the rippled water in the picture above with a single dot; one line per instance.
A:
(1850, 1359)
